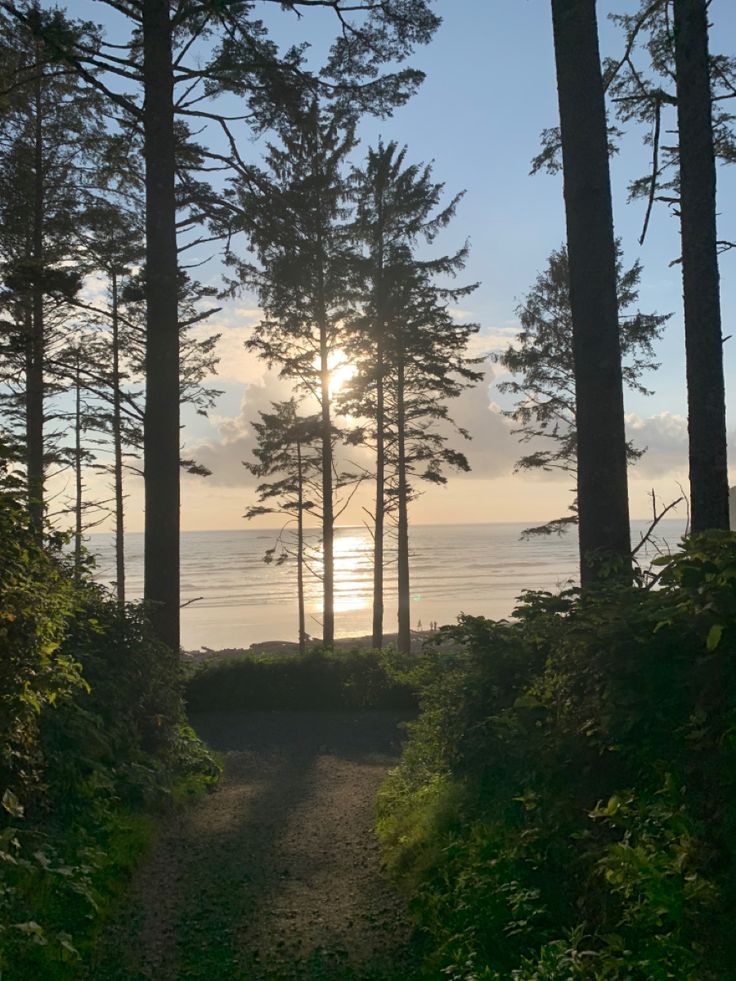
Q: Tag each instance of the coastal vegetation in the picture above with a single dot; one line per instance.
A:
(95, 743)
(320, 679)
(564, 805)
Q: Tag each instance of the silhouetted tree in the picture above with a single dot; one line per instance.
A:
(82, 422)
(681, 79)
(603, 508)
(297, 231)
(48, 128)
(210, 49)
(289, 451)
(397, 205)
(114, 246)
(427, 352)
(542, 359)
(701, 287)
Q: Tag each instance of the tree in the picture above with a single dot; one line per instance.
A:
(289, 450)
(82, 419)
(603, 508)
(48, 131)
(397, 205)
(297, 231)
(427, 353)
(683, 175)
(701, 287)
(544, 412)
(247, 63)
(117, 372)
(113, 243)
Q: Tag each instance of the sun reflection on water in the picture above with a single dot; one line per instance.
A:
(353, 575)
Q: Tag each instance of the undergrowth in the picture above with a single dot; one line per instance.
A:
(317, 680)
(566, 804)
(93, 743)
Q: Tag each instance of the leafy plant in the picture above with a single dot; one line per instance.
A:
(564, 807)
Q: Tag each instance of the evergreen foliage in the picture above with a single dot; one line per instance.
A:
(543, 359)
(49, 129)
(298, 233)
(409, 351)
(288, 450)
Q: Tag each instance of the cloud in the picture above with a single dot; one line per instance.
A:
(491, 451)
(664, 439)
(235, 325)
(496, 339)
(235, 440)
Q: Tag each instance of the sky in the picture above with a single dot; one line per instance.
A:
(489, 92)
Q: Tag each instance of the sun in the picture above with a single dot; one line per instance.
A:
(341, 371)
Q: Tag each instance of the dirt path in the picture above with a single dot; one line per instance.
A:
(275, 875)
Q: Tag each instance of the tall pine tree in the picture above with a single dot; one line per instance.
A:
(298, 232)
(603, 506)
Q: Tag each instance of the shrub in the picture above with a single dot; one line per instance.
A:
(317, 680)
(91, 727)
(565, 805)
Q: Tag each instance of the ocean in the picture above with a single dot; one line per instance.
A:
(235, 599)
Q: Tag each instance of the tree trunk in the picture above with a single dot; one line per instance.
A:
(118, 447)
(300, 550)
(34, 397)
(603, 508)
(35, 345)
(77, 468)
(404, 638)
(328, 518)
(378, 529)
(701, 290)
(161, 421)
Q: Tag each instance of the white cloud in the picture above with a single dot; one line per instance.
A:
(235, 325)
(664, 438)
(234, 443)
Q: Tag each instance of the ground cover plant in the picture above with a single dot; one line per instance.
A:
(319, 679)
(565, 805)
(93, 741)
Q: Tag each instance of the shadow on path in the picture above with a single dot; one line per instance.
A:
(275, 876)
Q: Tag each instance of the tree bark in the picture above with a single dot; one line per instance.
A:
(77, 468)
(300, 550)
(601, 439)
(161, 420)
(117, 421)
(700, 278)
(378, 530)
(378, 523)
(328, 517)
(36, 341)
(34, 397)
(404, 638)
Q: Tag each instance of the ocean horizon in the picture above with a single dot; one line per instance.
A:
(234, 599)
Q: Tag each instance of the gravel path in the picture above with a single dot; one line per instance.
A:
(275, 876)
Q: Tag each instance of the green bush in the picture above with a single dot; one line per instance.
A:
(565, 806)
(37, 598)
(92, 728)
(317, 680)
